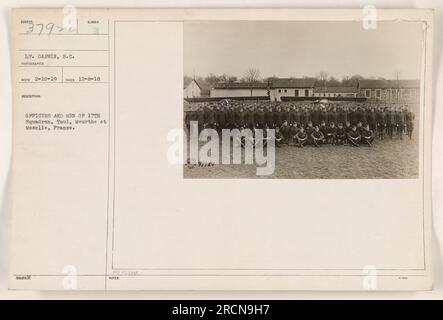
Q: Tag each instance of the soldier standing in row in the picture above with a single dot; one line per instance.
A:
(372, 119)
(399, 123)
(390, 122)
(381, 122)
(410, 116)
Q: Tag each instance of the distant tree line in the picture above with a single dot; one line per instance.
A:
(253, 75)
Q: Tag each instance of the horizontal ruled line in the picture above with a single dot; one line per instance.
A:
(221, 275)
(63, 34)
(59, 82)
(104, 50)
(38, 66)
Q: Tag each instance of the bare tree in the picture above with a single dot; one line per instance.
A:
(323, 77)
(252, 75)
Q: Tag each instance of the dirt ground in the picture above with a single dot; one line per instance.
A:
(386, 159)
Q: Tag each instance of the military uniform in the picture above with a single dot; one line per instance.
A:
(399, 123)
(210, 118)
(340, 135)
(331, 133)
(317, 137)
(372, 119)
(278, 138)
(333, 117)
(268, 115)
(367, 135)
(381, 123)
(324, 128)
(354, 138)
(390, 122)
(293, 130)
(307, 116)
(284, 129)
(410, 116)
(309, 130)
(297, 117)
(353, 117)
(315, 117)
(249, 119)
(259, 118)
(238, 118)
(323, 116)
(301, 138)
(201, 118)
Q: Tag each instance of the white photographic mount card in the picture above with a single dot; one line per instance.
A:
(111, 189)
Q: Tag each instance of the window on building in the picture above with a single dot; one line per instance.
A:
(378, 93)
(367, 93)
(279, 90)
(286, 90)
(296, 92)
(306, 93)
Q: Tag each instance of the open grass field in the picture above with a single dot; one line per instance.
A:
(386, 159)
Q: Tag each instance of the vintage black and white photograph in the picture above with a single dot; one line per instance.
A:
(306, 100)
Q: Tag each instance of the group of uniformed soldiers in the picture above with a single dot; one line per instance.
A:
(310, 123)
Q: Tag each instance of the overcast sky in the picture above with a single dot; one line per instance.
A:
(296, 49)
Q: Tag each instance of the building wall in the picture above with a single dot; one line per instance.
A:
(391, 94)
(238, 92)
(277, 93)
(192, 91)
(334, 94)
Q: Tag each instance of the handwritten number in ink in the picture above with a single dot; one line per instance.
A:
(41, 26)
(30, 28)
(50, 27)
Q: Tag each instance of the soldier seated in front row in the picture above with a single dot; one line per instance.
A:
(278, 137)
(354, 137)
(367, 135)
(340, 134)
(301, 138)
(317, 137)
(331, 134)
(293, 130)
(309, 130)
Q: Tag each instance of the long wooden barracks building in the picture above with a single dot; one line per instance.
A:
(276, 89)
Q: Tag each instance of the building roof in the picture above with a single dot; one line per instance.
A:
(190, 82)
(376, 84)
(335, 89)
(204, 89)
(293, 83)
(274, 83)
(241, 85)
